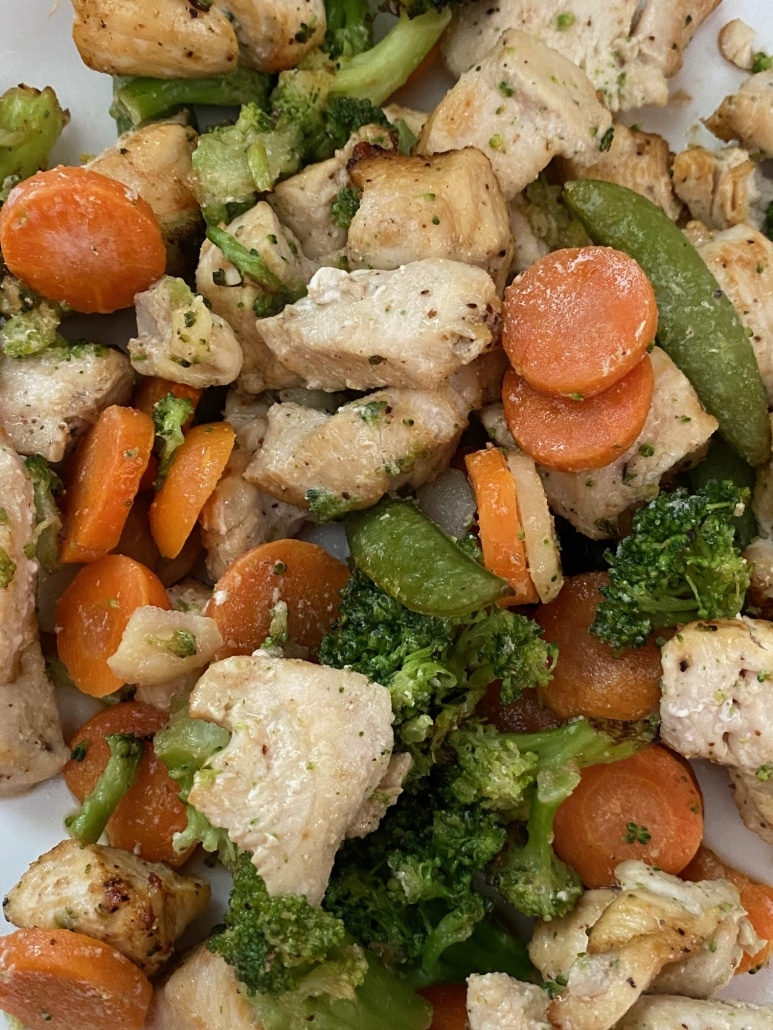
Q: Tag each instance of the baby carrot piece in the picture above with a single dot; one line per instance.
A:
(61, 980)
(756, 898)
(80, 238)
(499, 524)
(151, 389)
(301, 574)
(197, 466)
(577, 435)
(92, 614)
(149, 814)
(102, 482)
(578, 320)
(648, 806)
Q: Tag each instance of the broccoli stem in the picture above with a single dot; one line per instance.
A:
(375, 74)
(119, 775)
(138, 100)
(253, 265)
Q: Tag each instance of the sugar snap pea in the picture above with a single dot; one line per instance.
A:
(698, 326)
(413, 560)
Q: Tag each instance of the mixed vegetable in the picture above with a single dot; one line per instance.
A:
(510, 362)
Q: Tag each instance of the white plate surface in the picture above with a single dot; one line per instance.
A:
(36, 48)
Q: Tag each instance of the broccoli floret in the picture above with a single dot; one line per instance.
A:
(349, 28)
(88, 823)
(46, 485)
(275, 293)
(31, 121)
(761, 62)
(31, 330)
(344, 206)
(169, 416)
(679, 563)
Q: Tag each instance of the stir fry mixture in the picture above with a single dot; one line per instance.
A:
(513, 359)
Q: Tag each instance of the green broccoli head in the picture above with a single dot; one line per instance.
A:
(30, 123)
(679, 563)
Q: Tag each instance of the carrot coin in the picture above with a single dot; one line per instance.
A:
(449, 1006)
(578, 435)
(82, 239)
(578, 320)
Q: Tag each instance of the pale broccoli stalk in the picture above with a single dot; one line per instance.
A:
(89, 822)
(46, 484)
(275, 293)
(169, 416)
(31, 121)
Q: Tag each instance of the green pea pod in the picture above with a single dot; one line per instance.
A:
(698, 326)
(413, 560)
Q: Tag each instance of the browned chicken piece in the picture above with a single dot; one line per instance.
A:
(521, 105)
(741, 260)
(759, 597)
(49, 399)
(722, 188)
(496, 1001)
(18, 568)
(202, 993)
(331, 464)
(444, 206)
(303, 202)
(753, 797)
(31, 744)
(232, 298)
(155, 161)
(411, 326)
(670, 1013)
(309, 745)
(157, 38)
(140, 908)
(275, 34)
(747, 116)
(639, 160)
(627, 49)
(736, 43)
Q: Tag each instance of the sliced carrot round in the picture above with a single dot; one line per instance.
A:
(589, 677)
(152, 389)
(150, 813)
(578, 435)
(92, 614)
(66, 981)
(449, 1006)
(647, 807)
(197, 466)
(499, 523)
(301, 574)
(81, 238)
(102, 482)
(578, 320)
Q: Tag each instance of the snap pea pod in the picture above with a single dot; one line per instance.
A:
(698, 326)
(413, 560)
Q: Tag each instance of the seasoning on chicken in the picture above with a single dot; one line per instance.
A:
(309, 744)
(444, 206)
(275, 35)
(410, 327)
(747, 115)
(723, 187)
(522, 105)
(48, 400)
(138, 907)
(496, 1001)
(18, 568)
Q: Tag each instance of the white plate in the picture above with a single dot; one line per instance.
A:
(36, 48)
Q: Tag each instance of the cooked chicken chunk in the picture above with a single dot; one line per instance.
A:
(639, 160)
(334, 463)
(741, 260)
(17, 569)
(556, 945)
(747, 116)
(676, 428)
(496, 1001)
(411, 327)
(388, 790)
(31, 744)
(753, 797)
(180, 338)
(522, 104)
(715, 700)
(309, 745)
(445, 206)
(275, 34)
(158, 646)
(202, 994)
(668, 1013)
(138, 907)
(722, 188)
(539, 535)
(627, 57)
(759, 597)
(233, 298)
(736, 43)
(49, 399)
(155, 161)
(159, 39)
